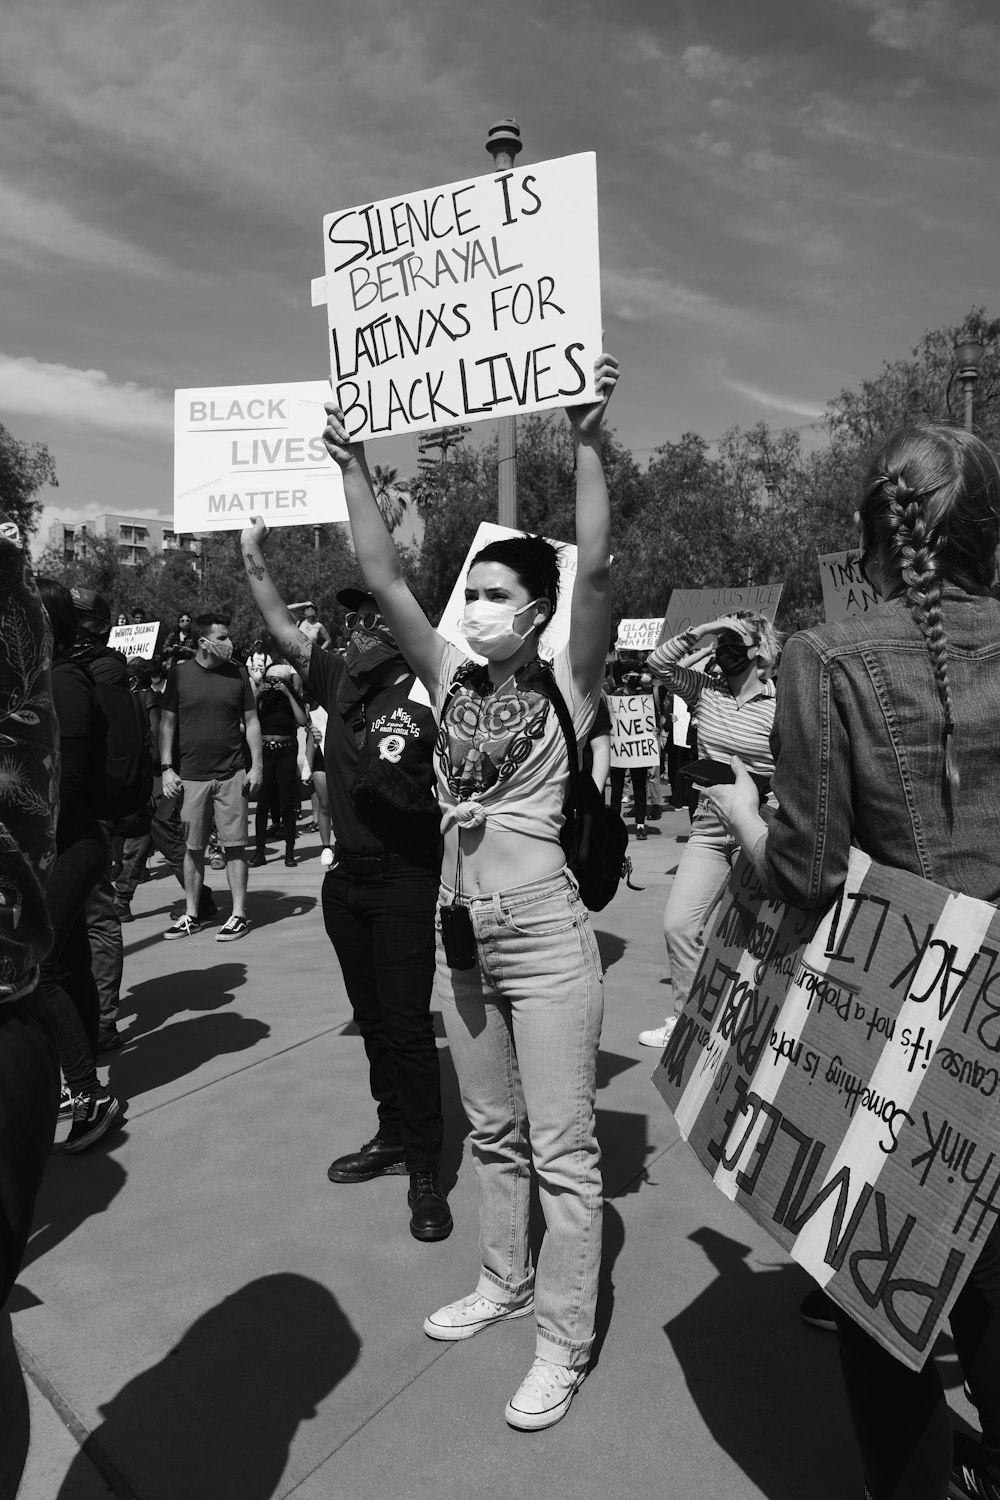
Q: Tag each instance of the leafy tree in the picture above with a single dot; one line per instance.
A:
(24, 469)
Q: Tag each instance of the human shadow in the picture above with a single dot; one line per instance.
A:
(173, 1051)
(73, 1190)
(156, 1000)
(613, 1239)
(610, 1064)
(625, 1149)
(610, 946)
(218, 1415)
(767, 1387)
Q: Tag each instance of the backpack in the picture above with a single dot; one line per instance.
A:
(128, 743)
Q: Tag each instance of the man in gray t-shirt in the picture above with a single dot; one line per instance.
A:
(208, 707)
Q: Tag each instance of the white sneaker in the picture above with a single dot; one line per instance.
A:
(660, 1035)
(470, 1315)
(326, 857)
(544, 1395)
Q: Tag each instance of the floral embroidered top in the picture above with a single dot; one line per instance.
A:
(29, 775)
(502, 748)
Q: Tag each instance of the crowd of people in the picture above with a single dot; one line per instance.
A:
(440, 785)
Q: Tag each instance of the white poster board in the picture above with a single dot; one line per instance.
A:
(846, 591)
(638, 635)
(135, 640)
(478, 299)
(254, 450)
(634, 742)
(689, 607)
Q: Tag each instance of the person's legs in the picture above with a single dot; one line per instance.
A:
(135, 853)
(231, 806)
(196, 815)
(321, 800)
(551, 977)
(701, 875)
(266, 792)
(68, 990)
(350, 929)
(480, 1035)
(194, 879)
(286, 773)
(107, 951)
(29, 1101)
(236, 874)
(900, 1418)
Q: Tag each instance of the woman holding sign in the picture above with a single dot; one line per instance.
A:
(735, 708)
(886, 738)
(519, 975)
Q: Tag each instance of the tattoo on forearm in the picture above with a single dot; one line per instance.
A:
(298, 653)
(255, 569)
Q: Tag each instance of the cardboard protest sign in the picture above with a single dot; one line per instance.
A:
(247, 450)
(135, 640)
(838, 1074)
(634, 741)
(479, 299)
(846, 590)
(690, 607)
(638, 635)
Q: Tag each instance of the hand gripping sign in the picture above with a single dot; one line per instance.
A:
(479, 299)
(838, 1075)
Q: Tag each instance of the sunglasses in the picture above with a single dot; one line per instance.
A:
(366, 618)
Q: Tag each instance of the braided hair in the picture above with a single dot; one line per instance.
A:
(931, 511)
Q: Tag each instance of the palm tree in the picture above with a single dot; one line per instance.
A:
(390, 499)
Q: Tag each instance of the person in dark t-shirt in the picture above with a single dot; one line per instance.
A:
(380, 893)
(208, 705)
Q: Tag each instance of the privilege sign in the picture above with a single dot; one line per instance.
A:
(479, 299)
(838, 1074)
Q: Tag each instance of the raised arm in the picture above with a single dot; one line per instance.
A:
(273, 609)
(590, 618)
(415, 636)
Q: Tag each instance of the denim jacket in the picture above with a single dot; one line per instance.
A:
(859, 747)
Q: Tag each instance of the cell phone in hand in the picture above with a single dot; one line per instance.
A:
(709, 773)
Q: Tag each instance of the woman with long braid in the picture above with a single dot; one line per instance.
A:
(886, 738)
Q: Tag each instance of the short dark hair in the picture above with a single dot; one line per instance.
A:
(533, 559)
(206, 621)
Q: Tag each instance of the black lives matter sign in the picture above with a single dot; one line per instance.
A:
(838, 1074)
(479, 299)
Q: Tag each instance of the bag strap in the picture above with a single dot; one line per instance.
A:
(558, 702)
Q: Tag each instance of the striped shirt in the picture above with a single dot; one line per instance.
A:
(725, 726)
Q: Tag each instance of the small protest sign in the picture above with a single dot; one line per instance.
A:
(478, 299)
(638, 635)
(634, 741)
(846, 590)
(690, 607)
(838, 1074)
(254, 450)
(135, 640)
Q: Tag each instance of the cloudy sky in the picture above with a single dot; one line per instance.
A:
(789, 194)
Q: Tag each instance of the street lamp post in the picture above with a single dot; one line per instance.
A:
(968, 360)
(503, 144)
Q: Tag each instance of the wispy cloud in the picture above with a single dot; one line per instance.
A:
(83, 398)
(773, 402)
(645, 294)
(46, 226)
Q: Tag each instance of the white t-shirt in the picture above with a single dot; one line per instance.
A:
(503, 747)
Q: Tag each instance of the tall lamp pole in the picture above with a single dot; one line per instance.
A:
(968, 359)
(503, 144)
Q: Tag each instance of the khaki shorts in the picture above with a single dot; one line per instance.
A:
(224, 803)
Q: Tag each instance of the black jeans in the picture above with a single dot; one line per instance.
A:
(68, 988)
(29, 1100)
(107, 951)
(382, 928)
(638, 790)
(280, 782)
(900, 1416)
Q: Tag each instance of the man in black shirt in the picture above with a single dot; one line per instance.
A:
(208, 705)
(380, 894)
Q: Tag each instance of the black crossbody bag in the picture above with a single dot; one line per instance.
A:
(594, 837)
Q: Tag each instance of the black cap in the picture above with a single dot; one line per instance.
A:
(354, 598)
(94, 605)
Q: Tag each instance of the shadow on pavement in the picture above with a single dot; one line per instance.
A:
(171, 1053)
(611, 1248)
(263, 909)
(768, 1389)
(74, 1188)
(624, 1150)
(610, 946)
(156, 1000)
(218, 1415)
(610, 1064)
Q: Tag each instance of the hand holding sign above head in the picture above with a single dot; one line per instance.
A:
(256, 532)
(337, 441)
(586, 420)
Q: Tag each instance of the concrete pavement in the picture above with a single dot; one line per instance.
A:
(203, 1316)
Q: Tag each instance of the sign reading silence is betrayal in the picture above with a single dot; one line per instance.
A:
(846, 591)
(254, 450)
(838, 1074)
(479, 299)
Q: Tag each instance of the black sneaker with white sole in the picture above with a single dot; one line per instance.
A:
(233, 930)
(93, 1116)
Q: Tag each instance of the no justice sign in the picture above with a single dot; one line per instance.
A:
(469, 301)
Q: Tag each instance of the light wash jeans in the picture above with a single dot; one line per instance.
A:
(524, 1027)
(700, 880)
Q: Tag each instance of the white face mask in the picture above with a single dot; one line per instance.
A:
(489, 628)
(221, 650)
